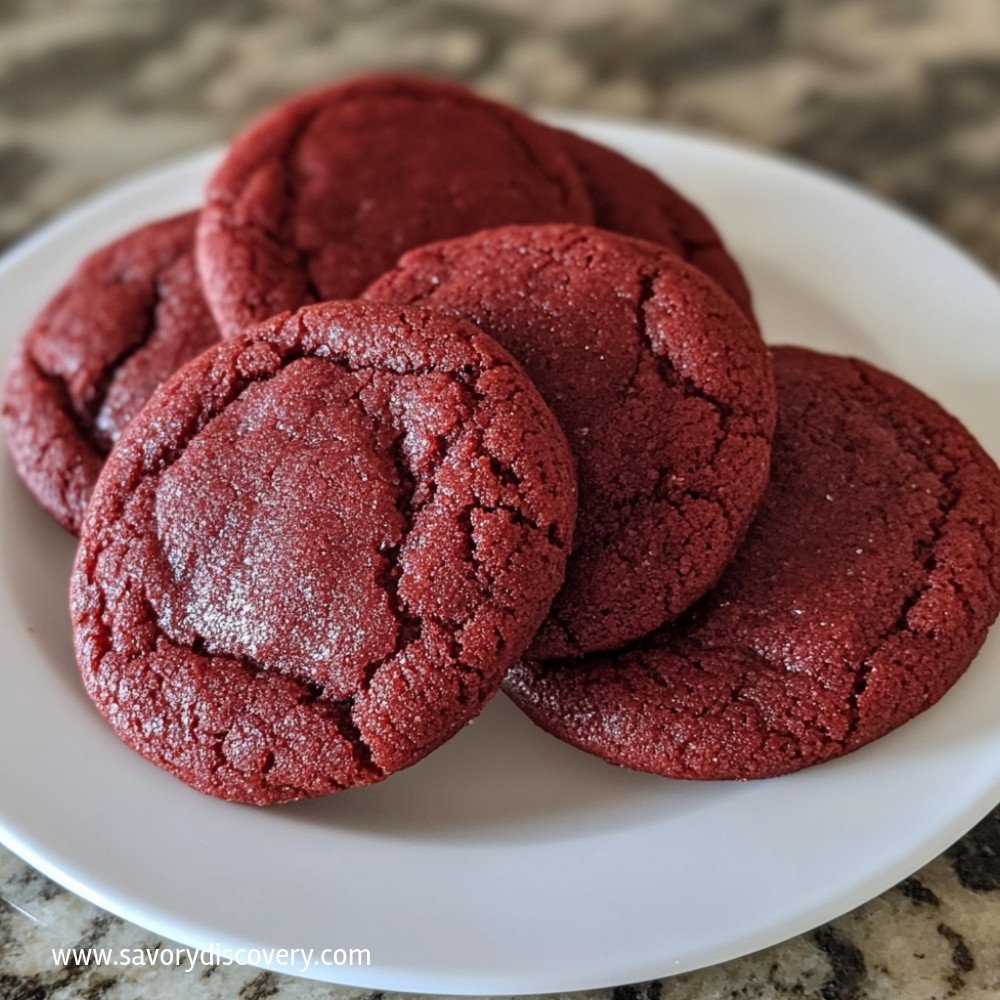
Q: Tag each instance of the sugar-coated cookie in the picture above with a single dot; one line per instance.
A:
(862, 592)
(320, 196)
(663, 387)
(312, 556)
(130, 315)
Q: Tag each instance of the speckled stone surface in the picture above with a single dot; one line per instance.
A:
(901, 95)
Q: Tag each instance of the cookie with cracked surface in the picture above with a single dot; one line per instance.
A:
(664, 390)
(130, 315)
(627, 198)
(321, 195)
(312, 556)
(864, 589)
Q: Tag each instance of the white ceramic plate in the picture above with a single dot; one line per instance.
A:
(508, 862)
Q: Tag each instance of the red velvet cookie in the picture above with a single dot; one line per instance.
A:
(664, 390)
(630, 199)
(129, 317)
(312, 556)
(862, 592)
(321, 196)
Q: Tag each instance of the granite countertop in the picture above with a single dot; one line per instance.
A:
(901, 95)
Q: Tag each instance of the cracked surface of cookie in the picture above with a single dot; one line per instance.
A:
(321, 196)
(130, 315)
(627, 198)
(313, 555)
(864, 589)
(664, 390)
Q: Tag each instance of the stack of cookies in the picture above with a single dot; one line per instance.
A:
(430, 399)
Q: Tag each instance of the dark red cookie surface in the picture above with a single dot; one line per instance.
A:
(129, 316)
(864, 589)
(662, 386)
(630, 199)
(312, 556)
(321, 196)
